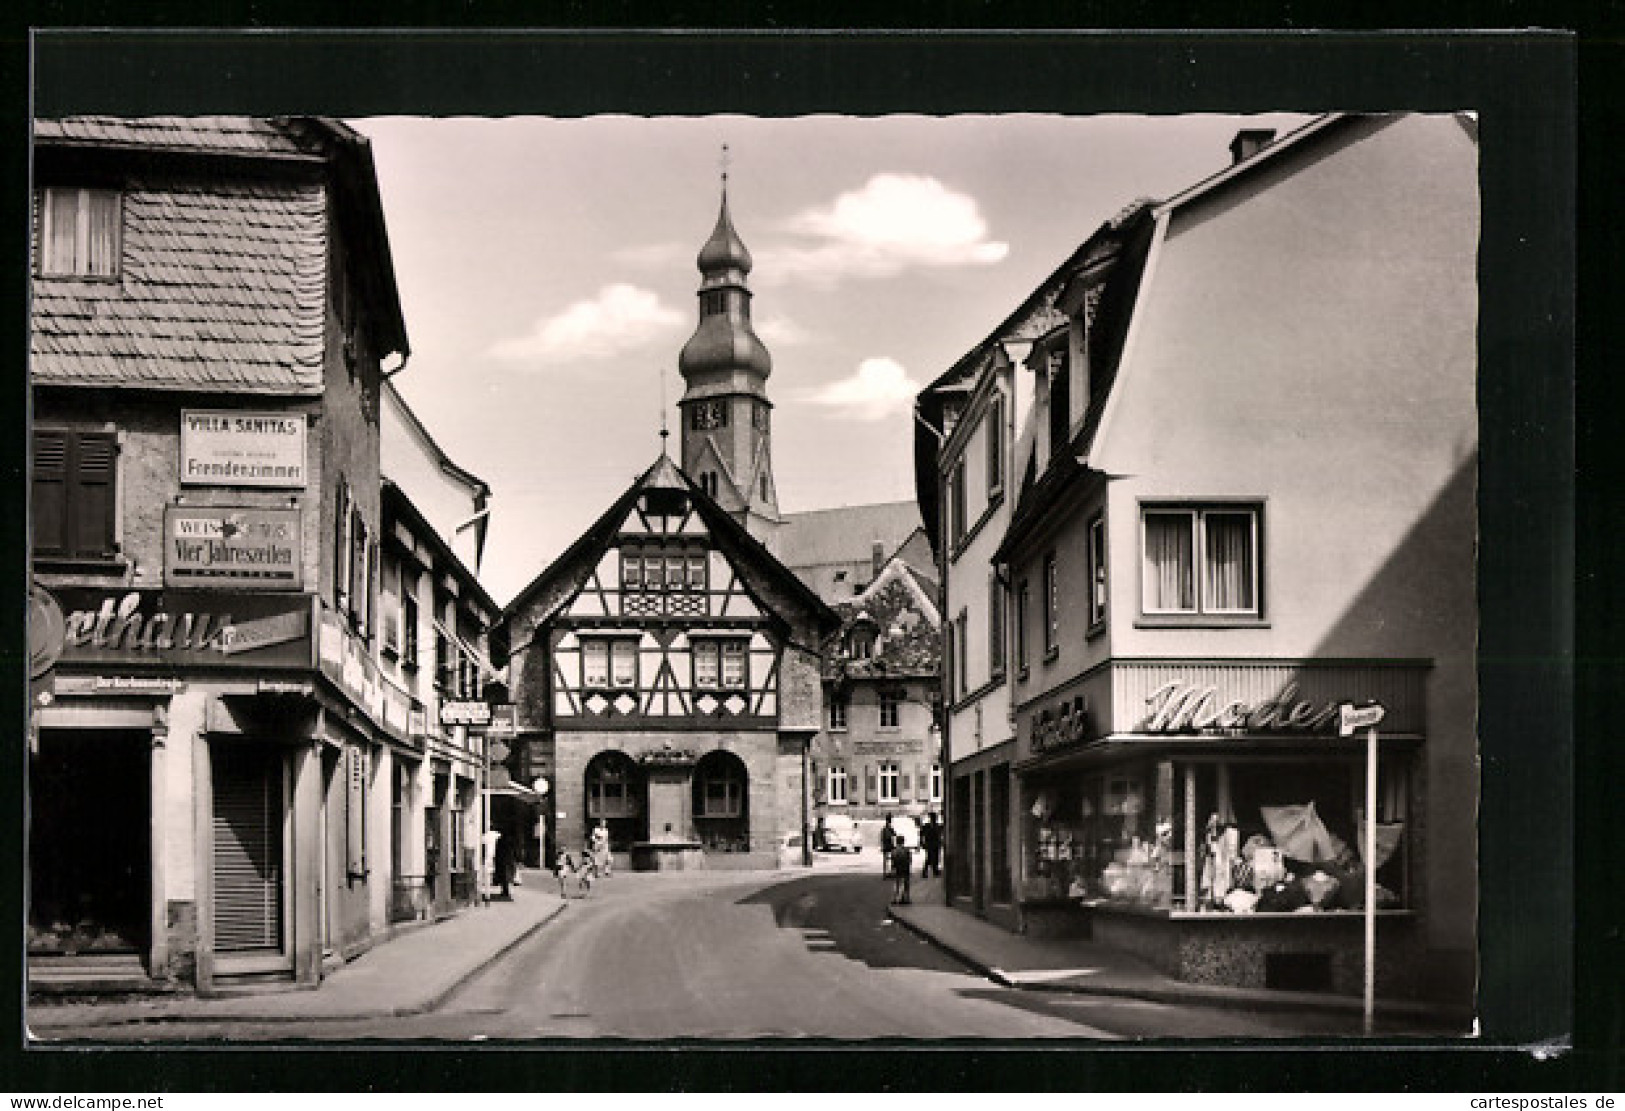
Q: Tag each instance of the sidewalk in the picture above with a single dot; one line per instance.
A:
(409, 974)
(1089, 967)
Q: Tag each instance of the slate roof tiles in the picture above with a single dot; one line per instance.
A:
(222, 285)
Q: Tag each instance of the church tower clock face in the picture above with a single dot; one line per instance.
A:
(710, 414)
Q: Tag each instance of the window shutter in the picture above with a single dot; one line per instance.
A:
(92, 496)
(341, 550)
(51, 492)
(871, 789)
(356, 811)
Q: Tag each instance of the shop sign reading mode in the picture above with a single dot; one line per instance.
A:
(242, 448)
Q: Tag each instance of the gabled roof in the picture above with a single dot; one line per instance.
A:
(468, 478)
(570, 570)
(907, 624)
(844, 534)
(216, 134)
(224, 241)
(1037, 315)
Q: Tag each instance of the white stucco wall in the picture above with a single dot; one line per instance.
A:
(1308, 339)
(444, 500)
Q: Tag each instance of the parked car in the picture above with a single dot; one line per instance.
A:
(905, 827)
(837, 833)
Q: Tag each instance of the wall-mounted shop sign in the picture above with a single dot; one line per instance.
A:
(455, 711)
(237, 546)
(241, 448)
(175, 628)
(345, 659)
(886, 748)
(1063, 724)
(1187, 707)
(160, 685)
(504, 721)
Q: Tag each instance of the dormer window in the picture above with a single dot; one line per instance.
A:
(1060, 401)
(860, 642)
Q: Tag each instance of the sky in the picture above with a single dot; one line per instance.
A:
(547, 275)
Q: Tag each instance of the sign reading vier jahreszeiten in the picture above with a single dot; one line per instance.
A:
(242, 448)
(241, 546)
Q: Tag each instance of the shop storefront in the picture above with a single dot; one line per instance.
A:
(1215, 826)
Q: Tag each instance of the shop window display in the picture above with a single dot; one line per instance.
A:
(1272, 835)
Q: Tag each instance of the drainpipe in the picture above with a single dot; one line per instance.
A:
(806, 791)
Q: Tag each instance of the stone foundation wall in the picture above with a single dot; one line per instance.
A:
(1233, 950)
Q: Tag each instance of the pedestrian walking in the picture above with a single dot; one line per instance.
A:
(504, 865)
(600, 848)
(574, 883)
(902, 863)
(888, 842)
(931, 842)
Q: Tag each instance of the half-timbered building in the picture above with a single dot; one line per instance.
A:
(665, 674)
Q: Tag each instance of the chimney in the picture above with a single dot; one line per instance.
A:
(1249, 141)
(877, 558)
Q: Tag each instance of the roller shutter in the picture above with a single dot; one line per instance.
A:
(247, 850)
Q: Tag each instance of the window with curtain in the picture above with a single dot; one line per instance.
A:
(719, 664)
(1097, 571)
(1052, 605)
(995, 444)
(733, 664)
(995, 626)
(595, 663)
(706, 664)
(79, 233)
(957, 511)
(1201, 560)
(1023, 601)
(623, 660)
(961, 652)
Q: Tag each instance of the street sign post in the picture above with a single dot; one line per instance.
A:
(1351, 718)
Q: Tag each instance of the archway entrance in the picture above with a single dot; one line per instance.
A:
(618, 794)
(722, 803)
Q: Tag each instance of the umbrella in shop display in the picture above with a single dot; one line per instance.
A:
(1301, 835)
(1388, 834)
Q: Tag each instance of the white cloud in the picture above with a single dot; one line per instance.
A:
(879, 388)
(620, 318)
(781, 331)
(896, 221)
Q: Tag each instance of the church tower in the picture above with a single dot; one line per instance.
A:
(727, 434)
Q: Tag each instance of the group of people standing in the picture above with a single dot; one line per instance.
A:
(897, 856)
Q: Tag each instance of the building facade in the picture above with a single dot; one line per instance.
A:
(879, 751)
(665, 675)
(1241, 505)
(433, 623)
(213, 310)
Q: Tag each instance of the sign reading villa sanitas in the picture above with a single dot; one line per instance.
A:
(238, 546)
(241, 448)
